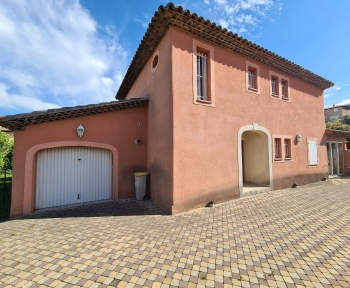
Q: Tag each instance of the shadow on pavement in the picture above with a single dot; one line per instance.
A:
(125, 207)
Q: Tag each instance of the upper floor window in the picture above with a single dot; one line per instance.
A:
(155, 62)
(252, 77)
(279, 86)
(203, 74)
(274, 86)
(284, 87)
(202, 79)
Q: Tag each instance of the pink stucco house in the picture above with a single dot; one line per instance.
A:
(218, 118)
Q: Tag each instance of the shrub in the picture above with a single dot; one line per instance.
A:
(6, 152)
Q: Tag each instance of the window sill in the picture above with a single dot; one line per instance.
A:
(253, 90)
(203, 101)
(275, 96)
(285, 99)
(282, 160)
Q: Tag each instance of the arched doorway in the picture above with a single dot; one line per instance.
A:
(254, 160)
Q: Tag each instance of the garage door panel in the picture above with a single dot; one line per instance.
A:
(70, 175)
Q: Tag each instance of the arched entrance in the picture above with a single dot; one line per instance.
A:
(254, 160)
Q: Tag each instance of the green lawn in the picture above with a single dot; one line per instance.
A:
(5, 209)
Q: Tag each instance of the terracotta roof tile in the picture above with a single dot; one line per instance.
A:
(337, 133)
(17, 122)
(172, 16)
(4, 129)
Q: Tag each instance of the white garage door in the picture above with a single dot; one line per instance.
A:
(71, 175)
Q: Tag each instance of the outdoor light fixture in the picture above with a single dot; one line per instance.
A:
(299, 137)
(80, 130)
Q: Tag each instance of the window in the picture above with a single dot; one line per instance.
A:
(155, 62)
(335, 110)
(282, 148)
(278, 150)
(284, 88)
(252, 77)
(279, 87)
(287, 149)
(203, 74)
(274, 86)
(312, 149)
(202, 79)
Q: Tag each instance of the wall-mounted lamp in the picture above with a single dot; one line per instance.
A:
(299, 137)
(137, 141)
(80, 130)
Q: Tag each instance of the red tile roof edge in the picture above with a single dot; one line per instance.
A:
(18, 121)
(175, 16)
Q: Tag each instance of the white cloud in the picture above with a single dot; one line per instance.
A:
(54, 50)
(20, 102)
(344, 102)
(241, 15)
(144, 20)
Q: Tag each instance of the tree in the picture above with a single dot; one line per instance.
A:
(6, 151)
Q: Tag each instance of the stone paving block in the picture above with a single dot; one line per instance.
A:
(287, 238)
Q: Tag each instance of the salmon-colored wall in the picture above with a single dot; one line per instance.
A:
(116, 131)
(205, 138)
(158, 86)
(347, 162)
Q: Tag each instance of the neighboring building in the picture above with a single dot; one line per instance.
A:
(337, 112)
(338, 155)
(217, 116)
(7, 131)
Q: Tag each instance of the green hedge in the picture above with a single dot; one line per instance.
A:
(5, 209)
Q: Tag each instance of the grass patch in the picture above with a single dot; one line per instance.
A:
(5, 205)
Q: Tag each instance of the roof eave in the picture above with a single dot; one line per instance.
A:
(172, 16)
(17, 122)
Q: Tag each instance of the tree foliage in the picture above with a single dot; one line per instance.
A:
(6, 151)
(342, 124)
(338, 125)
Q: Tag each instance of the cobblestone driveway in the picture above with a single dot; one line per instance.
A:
(287, 238)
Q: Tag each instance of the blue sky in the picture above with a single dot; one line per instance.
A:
(69, 52)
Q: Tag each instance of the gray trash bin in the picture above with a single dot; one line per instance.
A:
(140, 184)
